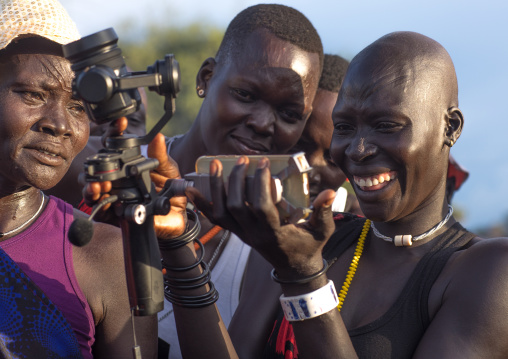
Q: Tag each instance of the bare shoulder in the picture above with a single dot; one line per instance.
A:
(469, 308)
(482, 266)
(100, 270)
(99, 265)
(482, 256)
(105, 244)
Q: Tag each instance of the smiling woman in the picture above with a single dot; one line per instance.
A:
(420, 285)
(261, 102)
(257, 95)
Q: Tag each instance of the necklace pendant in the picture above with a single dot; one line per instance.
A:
(403, 240)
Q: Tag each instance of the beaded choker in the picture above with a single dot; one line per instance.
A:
(407, 239)
(28, 221)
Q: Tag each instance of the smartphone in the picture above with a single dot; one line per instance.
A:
(290, 181)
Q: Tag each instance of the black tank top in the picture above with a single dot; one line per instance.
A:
(396, 333)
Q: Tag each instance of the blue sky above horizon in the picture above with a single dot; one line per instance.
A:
(474, 33)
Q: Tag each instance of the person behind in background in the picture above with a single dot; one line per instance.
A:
(317, 136)
(414, 283)
(456, 177)
(315, 142)
(56, 300)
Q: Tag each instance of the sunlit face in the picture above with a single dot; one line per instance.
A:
(42, 127)
(388, 133)
(315, 142)
(258, 103)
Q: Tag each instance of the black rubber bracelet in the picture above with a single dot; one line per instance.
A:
(202, 279)
(303, 280)
(197, 301)
(193, 304)
(191, 298)
(183, 269)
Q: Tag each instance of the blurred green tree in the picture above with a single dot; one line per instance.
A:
(190, 45)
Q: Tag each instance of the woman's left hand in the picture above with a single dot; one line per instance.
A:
(293, 250)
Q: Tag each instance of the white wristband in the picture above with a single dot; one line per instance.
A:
(310, 305)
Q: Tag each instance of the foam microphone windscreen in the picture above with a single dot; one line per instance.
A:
(81, 232)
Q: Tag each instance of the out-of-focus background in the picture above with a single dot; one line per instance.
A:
(475, 33)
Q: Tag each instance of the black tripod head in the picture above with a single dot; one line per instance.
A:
(109, 91)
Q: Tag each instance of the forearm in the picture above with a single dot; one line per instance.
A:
(202, 322)
(323, 336)
(259, 306)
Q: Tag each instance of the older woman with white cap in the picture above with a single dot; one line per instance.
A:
(56, 300)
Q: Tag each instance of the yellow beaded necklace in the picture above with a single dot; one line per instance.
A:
(354, 263)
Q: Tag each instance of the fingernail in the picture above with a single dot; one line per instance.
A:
(263, 163)
(241, 160)
(328, 203)
(213, 168)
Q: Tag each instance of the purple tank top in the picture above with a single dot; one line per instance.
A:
(44, 253)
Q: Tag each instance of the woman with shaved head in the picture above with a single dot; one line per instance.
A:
(411, 281)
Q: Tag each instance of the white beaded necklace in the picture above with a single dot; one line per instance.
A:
(28, 221)
(407, 239)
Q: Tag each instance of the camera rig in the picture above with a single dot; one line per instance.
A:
(109, 92)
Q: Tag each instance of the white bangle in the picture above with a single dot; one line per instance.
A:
(310, 305)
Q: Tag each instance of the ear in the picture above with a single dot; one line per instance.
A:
(454, 125)
(205, 73)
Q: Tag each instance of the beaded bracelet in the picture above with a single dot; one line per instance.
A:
(301, 280)
(187, 237)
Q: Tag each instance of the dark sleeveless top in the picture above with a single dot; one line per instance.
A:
(396, 333)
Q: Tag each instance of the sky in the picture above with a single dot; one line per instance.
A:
(475, 33)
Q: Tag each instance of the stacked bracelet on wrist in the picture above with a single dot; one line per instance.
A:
(188, 236)
(179, 284)
(310, 305)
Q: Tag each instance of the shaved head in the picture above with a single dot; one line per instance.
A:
(411, 60)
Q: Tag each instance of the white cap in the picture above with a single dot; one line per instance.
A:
(46, 18)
